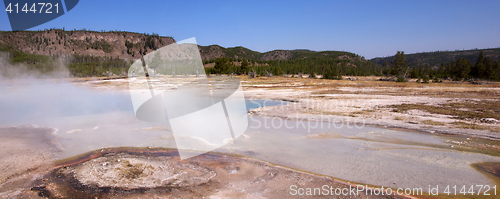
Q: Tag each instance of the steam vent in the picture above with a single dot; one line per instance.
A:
(125, 171)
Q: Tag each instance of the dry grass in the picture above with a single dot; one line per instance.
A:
(432, 122)
(403, 91)
(323, 86)
(131, 171)
(468, 109)
(328, 91)
(464, 125)
(452, 93)
(362, 112)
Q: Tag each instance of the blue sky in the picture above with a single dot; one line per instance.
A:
(368, 28)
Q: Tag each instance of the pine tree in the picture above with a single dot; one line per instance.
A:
(399, 66)
(463, 68)
(479, 69)
(244, 66)
(385, 69)
(156, 62)
(221, 65)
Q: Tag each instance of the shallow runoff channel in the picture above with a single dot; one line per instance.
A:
(85, 120)
(367, 155)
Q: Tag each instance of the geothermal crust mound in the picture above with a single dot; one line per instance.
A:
(126, 171)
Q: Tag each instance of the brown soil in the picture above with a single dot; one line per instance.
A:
(26, 154)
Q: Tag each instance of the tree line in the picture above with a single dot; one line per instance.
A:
(78, 65)
(328, 67)
(460, 70)
(399, 69)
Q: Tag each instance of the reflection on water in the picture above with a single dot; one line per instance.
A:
(251, 104)
(88, 120)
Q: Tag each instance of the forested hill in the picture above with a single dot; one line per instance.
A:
(240, 60)
(215, 51)
(58, 42)
(434, 59)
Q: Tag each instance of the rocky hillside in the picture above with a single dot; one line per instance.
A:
(123, 45)
(436, 58)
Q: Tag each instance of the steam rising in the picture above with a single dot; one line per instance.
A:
(49, 99)
(29, 95)
(9, 70)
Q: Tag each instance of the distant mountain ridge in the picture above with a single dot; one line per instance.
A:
(435, 59)
(95, 53)
(239, 52)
